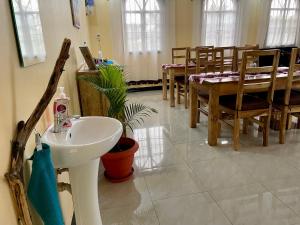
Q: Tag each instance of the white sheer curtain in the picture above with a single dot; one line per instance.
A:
(284, 22)
(263, 13)
(143, 33)
(219, 22)
(243, 23)
(197, 25)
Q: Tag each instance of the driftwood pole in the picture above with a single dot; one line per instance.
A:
(24, 129)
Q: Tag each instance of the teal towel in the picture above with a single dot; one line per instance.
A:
(42, 188)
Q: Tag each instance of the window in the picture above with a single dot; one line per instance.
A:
(142, 25)
(219, 22)
(284, 23)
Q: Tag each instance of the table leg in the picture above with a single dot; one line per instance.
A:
(213, 117)
(164, 85)
(172, 89)
(193, 106)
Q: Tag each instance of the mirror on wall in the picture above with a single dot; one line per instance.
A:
(28, 31)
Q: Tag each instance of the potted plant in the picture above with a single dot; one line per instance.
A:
(111, 82)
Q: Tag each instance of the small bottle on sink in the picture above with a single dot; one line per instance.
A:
(61, 112)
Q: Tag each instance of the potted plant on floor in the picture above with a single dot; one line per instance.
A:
(111, 82)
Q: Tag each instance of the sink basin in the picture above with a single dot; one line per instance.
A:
(87, 139)
(80, 149)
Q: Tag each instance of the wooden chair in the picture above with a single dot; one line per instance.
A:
(206, 59)
(237, 55)
(182, 82)
(217, 64)
(246, 106)
(288, 101)
(178, 55)
(209, 60)
(228, 57)
(207, 64)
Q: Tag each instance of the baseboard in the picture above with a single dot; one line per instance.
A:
(144, 85)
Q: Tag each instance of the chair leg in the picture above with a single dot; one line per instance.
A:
(185, 97)
(260, 129)
(282, 127)
(298, 123)
(266, 129)
(198, 112)
(178, 93)
(236, 133)
(245, 126)
(219, 129)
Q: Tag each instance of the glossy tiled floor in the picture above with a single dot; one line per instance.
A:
(180, 180)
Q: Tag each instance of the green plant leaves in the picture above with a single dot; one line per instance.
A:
(134, 113)
(111, 82)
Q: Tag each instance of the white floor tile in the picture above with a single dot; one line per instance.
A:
(130, 215)
(252, 204)
(199, 150)
(171, 181)
(113, 195)
(287, 190)
(220, 173)
(193, 209)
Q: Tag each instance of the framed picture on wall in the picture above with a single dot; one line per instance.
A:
(75, 8)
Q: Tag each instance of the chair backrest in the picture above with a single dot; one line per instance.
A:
(209, 60)
(178, 55)
(237, 55)
(294, 65)
(206, 47)
(228, 56)
(190, 58)
(254, 85)
(218, 62)
(191, 55)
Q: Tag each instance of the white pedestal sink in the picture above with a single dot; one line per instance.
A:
(80, 149)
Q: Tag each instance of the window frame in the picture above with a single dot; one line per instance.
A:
(143, 13)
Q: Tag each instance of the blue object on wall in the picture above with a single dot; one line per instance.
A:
(89, 2)
(42, 188)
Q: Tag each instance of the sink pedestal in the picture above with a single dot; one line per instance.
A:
(79, 149)
(84, 183)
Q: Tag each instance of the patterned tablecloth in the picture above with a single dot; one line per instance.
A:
(234, 76)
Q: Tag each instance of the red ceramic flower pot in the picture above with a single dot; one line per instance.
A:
(118, 165)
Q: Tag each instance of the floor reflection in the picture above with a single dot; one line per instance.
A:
(180, 179)
(151, 151)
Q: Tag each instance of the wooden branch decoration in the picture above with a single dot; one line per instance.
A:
(62, 186)
(24, 129)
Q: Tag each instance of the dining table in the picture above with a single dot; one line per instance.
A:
(219, 84)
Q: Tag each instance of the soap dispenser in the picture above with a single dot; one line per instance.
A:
(61, 112)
